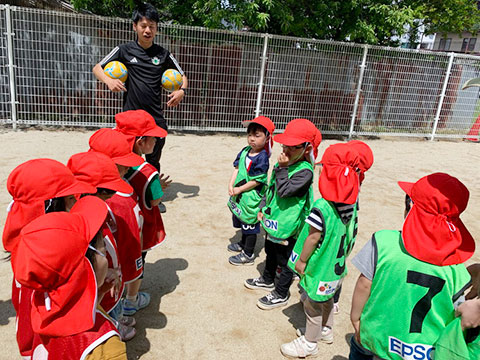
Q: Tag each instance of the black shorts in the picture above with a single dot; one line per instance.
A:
(247, 229)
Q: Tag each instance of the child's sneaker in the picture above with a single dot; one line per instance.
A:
(235, 247)
(241, 259)
(272, 301)
(299, 348)
(336, 309)
(126, 332)
(327, 335)
(127, 321)
(258, 284)
(131, 307)
(162, 208)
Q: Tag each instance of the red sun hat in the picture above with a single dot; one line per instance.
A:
(30, 184)
(263, 121)
(298, 131)
(98, 170)
(135, 123)
(50, 259)
(115, 145)
(339, 180)
(432, 231)
(366, 157)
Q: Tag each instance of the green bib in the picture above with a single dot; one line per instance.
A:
(410, 301)
(245, 205)
(326, 266)
(452, 345)
(283, 217)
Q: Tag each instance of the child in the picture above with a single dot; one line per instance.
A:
(411, 281)
(125, 208)
(34, 185)
(287, 201)
(99, 170)
(365, 163)
(141, 131)
(247, 187)
(319, 255)
(53, 259)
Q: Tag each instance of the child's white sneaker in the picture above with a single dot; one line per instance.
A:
(327, 335)
(299, 348)
(336, 309)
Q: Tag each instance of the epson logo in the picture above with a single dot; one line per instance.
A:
(409, 351)
(271, 224)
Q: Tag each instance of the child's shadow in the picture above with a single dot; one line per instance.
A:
(295, 314)
(171, 193)
(6, 312)
(160, 279)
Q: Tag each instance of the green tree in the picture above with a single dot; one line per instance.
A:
(363, 21)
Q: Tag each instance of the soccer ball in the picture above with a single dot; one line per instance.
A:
(116, 70)
(171, 80)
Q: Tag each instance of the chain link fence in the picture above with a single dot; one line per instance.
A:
(346, 89)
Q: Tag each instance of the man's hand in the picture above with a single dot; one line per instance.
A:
(300, 267)
(175, 98)
(283, 160)
(164, 182)
(115, 85)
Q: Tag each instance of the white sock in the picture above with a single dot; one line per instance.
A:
(131, 298)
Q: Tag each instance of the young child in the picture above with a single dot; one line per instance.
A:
(411, 280)
(99, 170)
(365, 163)
(53, 259)
(34, 185)
(124, 206)
(247, 187)
(141, 131)
(287, 202)
(319, 255)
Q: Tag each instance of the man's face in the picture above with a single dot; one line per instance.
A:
(146, 31)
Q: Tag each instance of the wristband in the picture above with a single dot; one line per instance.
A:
(184, 91)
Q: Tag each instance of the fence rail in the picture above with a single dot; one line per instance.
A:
(347, 89)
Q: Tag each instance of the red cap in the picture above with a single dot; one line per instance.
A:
(262, 120)
(298, 131)
(366, 157)
(339, 180)
(432, 231)
(50, 259)
(115, 145)
(98, 170)
(30, 184)
(135, 123)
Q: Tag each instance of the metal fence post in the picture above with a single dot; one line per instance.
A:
(442, 95)
(359, 89)
(262, 75)
(11, 72)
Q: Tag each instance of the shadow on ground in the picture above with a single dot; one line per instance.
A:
(175, 188)
(6, 312)
(161, 278)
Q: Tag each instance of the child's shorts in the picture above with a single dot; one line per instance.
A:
(247, 229)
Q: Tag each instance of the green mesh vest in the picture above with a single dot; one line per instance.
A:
(245, 205)
(283, 217)
(410, 301)
(455, 344)
(326, 266)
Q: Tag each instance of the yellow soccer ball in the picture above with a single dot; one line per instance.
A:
(172, 80)
(116, 70)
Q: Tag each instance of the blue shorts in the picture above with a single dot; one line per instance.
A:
(247, 229)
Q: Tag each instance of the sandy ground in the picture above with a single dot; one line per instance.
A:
(200, 308)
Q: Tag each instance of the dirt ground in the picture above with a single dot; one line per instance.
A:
(200, 308)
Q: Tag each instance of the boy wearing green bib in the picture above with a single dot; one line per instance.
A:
(247, 187)
(320, 253)
(412, 280)
(286, 204)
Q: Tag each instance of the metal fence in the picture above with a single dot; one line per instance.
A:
(46, 59)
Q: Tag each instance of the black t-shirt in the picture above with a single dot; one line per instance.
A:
(144, 82)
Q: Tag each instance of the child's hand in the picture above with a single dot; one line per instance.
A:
(164, 182)
(260, 216)
(230, 190)
(470, 312)
(283, 160)
(300, 267)
(237, 191)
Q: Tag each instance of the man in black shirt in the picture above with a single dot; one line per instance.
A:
(145, 62)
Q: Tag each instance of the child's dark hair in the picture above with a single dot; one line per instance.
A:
(104, 191)
(90, 254)
(55, 205)
(253, 127)
(145, 10)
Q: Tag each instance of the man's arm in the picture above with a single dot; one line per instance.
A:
(177, 96)
(114, 85)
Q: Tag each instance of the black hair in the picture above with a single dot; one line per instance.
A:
(55, 205)
(90, 254)
(408, 203)
(145, 10)
(104, 191)
(253, 127)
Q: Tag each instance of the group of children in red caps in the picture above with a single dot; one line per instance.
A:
(77, 237)
(412, 281)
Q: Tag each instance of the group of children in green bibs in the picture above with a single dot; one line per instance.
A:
(411, 281)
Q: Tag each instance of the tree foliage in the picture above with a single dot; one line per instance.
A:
(363, 21)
